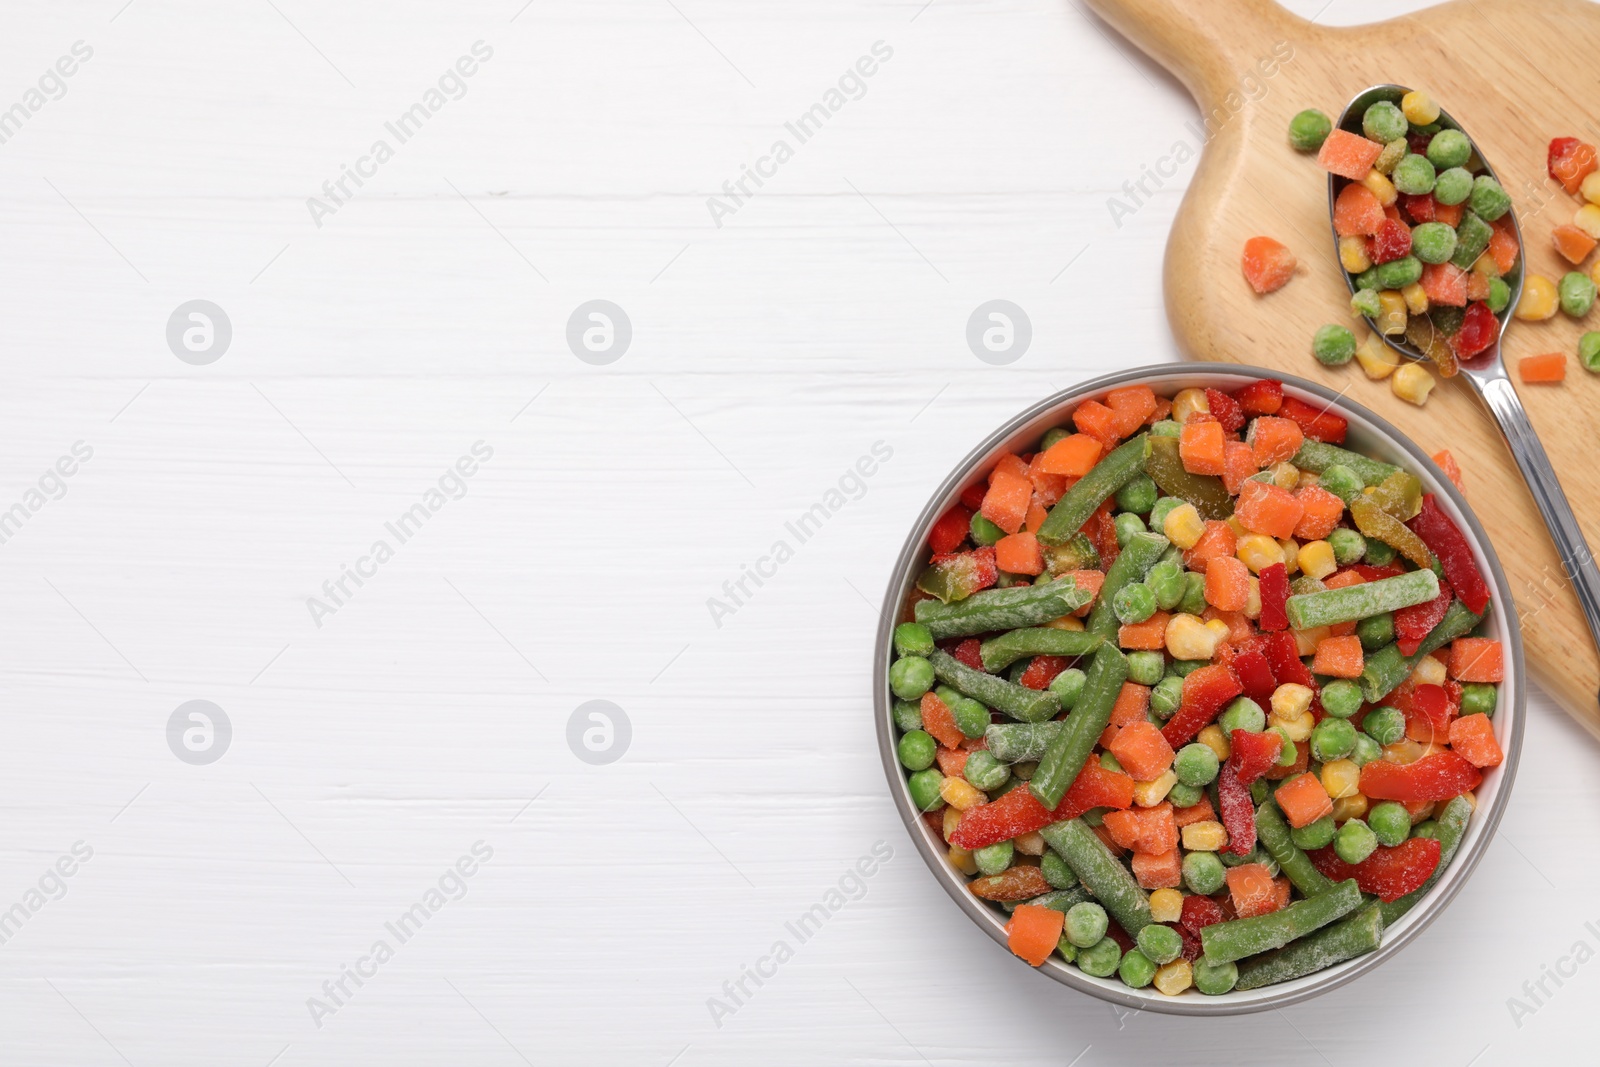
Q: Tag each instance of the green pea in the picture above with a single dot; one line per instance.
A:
(1068, 686)
(1332, 739)
(1488, 201)
(1165, 580)
(1184, 796)
(1366, 751)
(1383, 122)
(1577, 293)
(1384, 725)
(1589, 351)
(916, 750)
(1341, 698)
(1433, 242)
(1166, 428)
(1399, 273)
(1288, 755)
(1479, 698)
(1139, 495)
(1161, 943)
(972, 718)
(1355, 841)
(1134, 603)
(1342, 482)
(1086, 924)
(913, 639)
(1499, 295)
(907, 714)
(1450, 188)
(1243, 714)
(1365, 302)
(1185, 667)
(1308, 130)
(1368, 279)
(1162, 508)
(1306, 584)
(1146, 668)
(1136, 969)
(1314, 835)
(1347, 546)
(1392, 153)
(994, 858)
(1194, 594)
(1056, 871)
(1053, 436)
(910, 677)
(1426, 828)
(1333, 345)
(1068, 950)
(1413, 175)
(1024, 770)
(1166, 696)
(1449, 148)
(1390, 822)
(1195, 764)
(984, 771)
(1375, 631)
(1379, 553)
(924, 787)
(1100, 960)
(1214, 979)
(1203, 873)
(1127, 524)
(983, 531)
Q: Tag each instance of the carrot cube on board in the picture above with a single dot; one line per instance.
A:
(1227, 584)
(1473, 737)
(1477, 659)
(1275, 440)
(1268, 264)
(1303, 800)
(1543, 369)
(1074, 455)
(1356, 211)
(1451, 468)
(1339, 657)
(1573, 244)
(1200, 447)
(1019, 553)
(1268, 509)
(1348, 155)
(1158, 871)
(1142, 750)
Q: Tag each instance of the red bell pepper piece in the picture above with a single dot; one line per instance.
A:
(1019, 812)
(1200, 912)
(951, 529)
(1372, 574)
(1391, 873)
(1437, 777)
(1238, 813)
(1445, 540)
(972, 496)
(970, 652)
(1225, 409)
(1414, 623)
(1254, 754)
(1274, 597)
(1042, 671)
(1317, 423)
(1479, 329)
(1254, 673)
(1191, 944)
(1391, 242)
(1102, 530)
(1419, 207)
(1262, 397)
(1205, 691)
(1284, 655)
(1428, 715)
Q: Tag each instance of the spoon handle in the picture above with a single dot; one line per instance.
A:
(1577, 561)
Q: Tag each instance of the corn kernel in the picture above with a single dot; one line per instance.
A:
(1306, 641)
(1594, 271)
(1341, 778)
(1539, 299)
(1587, 219)
(1392, 312)
(1252, 600)
(1351, 807)
(1432, 748)
(1258, 551)
(1166, 905)
(1591, 187)
(1412, 383)
(1030, 843)
(1290, 700)
(952, 820)
(1183, 526)
(1486, 265)
(962, 860)
(961, 794)
(1353, 255)
(1377, 359)
(1187, 638)
(1291, 547)
(1207, 836)
(1149, 794)
(1402, 751)
(1221, 630)
(1416, 298)
(1175, 977)
(1316, 559)
(1429, 671)
(1418, 108)
(1297, 727)
(1381, 187)
(1066, 622)
(1472, 799)
(1285, 475)
(1187, 402)
(1232, 522)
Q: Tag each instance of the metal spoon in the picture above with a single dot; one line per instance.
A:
(1488, 376)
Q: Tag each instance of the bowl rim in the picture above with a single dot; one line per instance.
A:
(1481, 828)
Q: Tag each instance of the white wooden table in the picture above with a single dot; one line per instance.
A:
(379, 739)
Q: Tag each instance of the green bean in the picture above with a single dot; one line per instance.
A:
(1002, 609)
(1000, 652)
(1115, 470)
(1353, 602)
(1018, 742)
(1238, 938)
(1209, 496)
(1388, 667)
(1111, 883)
(1273, 832)
(1069, 749)
(1318, 456)
(1056, 900)
(1024, 705)
(1140, 554)
(1358, 934)
(1450, 829)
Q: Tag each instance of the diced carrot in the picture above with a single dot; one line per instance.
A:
(1268, 509)
(1105, 837)
(1125, 827)
(1238, 463)
(939, 721)
(1339, 657)
(1201, 812)
(1348, 155)
(1445, 283)
(1477, 659)
(1573, 244)
(1302, 759)
(1239, 631)
(1019, 553)
(1341, 629)
(1451, 468)
(1275, 439)
(1147, 636)
(1047, 487)
(1134, 404)
(1477, 287)
(1142, 750)
(1098, 421)
(1503, 247)
(1159, 871)
(1108, 735)
(1357, 211)
(1158, 828)
(1268, 264)
(1343, 578)
(1074, 455)
(1227, 583)
(1218, 540)
(1550, 367)
(1322, 512)
(1034, 931)
(1090, 580)
(1010, 493)
(1570, 161)
(1131, 705)
(952, 761)
(1473, 737)
(1200, 446)
(1303, 800)
(1251, 890)
(1449, 214)
(1163, 409)
(1280, 893)
(1037, 514)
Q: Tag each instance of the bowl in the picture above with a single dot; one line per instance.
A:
(1368, 434)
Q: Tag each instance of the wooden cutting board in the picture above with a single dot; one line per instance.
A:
(1514, 73)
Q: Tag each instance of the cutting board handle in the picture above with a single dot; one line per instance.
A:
(1216, 47)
